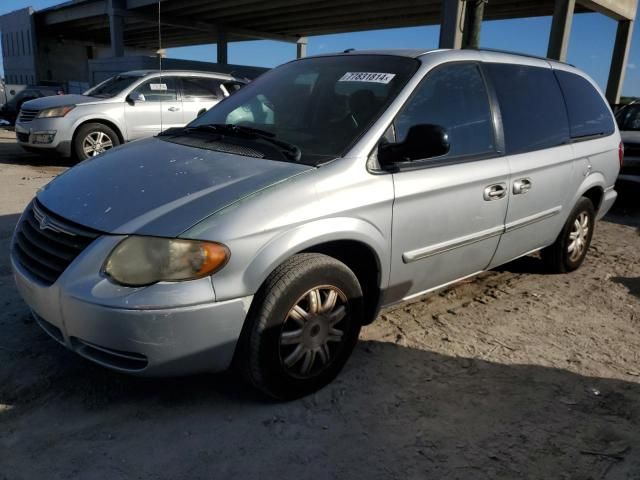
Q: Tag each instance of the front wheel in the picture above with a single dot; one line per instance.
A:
(302, 328)
(93, 139)
(570, 248)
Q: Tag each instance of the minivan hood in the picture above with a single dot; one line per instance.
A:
(155, 187)
(60, 101)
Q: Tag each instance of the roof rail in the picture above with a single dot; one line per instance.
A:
(497, 50)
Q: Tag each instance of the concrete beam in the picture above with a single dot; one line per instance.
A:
(619, 61)
(221, 46)
(301, 47)
(78, 11)
(212, 28)
(451, 24)
(561, 29)
(617, 9)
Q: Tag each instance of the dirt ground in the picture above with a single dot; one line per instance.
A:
(515, 374)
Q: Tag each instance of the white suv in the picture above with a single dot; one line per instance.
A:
(126, 107)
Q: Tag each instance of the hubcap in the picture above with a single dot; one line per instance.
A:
(578, 237)
(95, 143)
(313, 331)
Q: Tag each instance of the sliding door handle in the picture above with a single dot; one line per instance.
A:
(495, 192)
(521, 186)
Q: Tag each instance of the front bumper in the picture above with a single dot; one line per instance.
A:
(130, 330)
(26, 134)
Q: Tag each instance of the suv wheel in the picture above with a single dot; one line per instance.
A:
(93, 139)
(302, 328)
(570, 248)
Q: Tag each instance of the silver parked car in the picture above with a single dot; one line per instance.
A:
(126, 107)
(271, 228)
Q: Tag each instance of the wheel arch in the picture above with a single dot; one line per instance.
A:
(354, 242)
(365, 264)
(112, 125)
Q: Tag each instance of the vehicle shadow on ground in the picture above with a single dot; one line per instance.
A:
(626, 210)
(395, 412)
(13, 154)
(632, 284)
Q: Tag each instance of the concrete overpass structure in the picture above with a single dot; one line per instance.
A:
(100, 28)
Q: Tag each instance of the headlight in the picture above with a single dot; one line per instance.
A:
(139, 261)
(55, 112)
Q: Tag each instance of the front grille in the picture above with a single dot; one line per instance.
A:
(27, 114)
(45, 244)
(22, 137)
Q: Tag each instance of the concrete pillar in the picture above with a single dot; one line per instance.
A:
(116, 27)
(473, 23)
(561, 29)
(619, 61)
(451, 24)
(223, 56)
(301, 47)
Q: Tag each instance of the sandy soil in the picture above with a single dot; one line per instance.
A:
(515, 374)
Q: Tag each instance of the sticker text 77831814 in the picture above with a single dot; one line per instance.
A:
(375, 77)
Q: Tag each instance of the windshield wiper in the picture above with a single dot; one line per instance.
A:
(289, 150)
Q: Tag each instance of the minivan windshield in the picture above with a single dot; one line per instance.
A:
(315, 107)
(112, 87)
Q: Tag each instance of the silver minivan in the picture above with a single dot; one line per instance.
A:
(266, 232)
(126, 107)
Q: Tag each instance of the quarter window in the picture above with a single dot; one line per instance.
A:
(588, 113)
(453, 97)
(533, 110)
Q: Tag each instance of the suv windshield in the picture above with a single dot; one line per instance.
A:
(112, 87)
(318, 105)
(629, 117)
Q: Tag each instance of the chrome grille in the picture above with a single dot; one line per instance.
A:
(45, 244)
(27, 114)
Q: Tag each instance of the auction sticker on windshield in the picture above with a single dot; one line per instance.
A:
(375, 77)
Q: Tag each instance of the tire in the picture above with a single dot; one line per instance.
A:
(565, 254)
(286, 356)
(99, 132)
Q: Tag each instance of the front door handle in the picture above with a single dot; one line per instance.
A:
(174, 109)
(495, 192)
(521, 186)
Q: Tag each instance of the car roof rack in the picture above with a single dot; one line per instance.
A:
(528, 55)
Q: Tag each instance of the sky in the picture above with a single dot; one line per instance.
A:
(590, 48)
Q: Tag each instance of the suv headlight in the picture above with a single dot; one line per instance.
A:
(55, 112)
(138, 261)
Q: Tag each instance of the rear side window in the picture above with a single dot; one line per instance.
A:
(534, 115)
(588, 113)
(454, 97)
(200, 87)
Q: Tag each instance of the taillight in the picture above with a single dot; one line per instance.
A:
(621, 153)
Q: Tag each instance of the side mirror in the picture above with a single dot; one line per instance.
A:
(135, 97)
(422, 141)
(201, 112)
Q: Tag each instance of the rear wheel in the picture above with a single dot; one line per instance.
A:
(93, 139)
(570, 248)
(303, 326)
